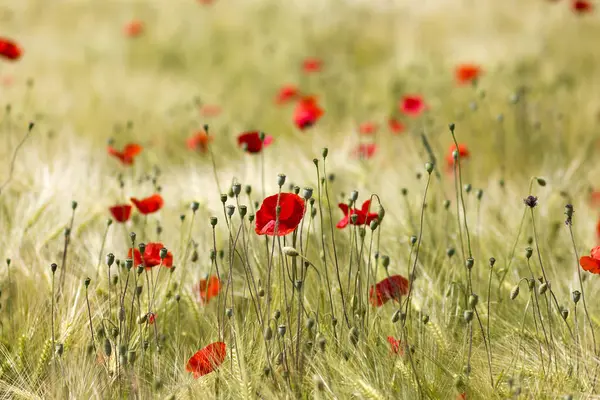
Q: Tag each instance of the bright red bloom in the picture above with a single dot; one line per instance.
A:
(286, 94)
(127, 156)
(463, 152)
(396, 126)
(412, 105)
(312, 65)
(364, 217)
(290, 215)
(250, 141)
(121, 212)
(9, 49)
(467, 73)
(395, 345)
(207, 359)
(151, 318)
(307, 112)
(199, 141)
(210, 110)
(393, 287)
(367, 128)
(151, 256)
(134, 28)
(148, 205)
(364, 151)
(582, 6)
(591, 263)
(208, 288)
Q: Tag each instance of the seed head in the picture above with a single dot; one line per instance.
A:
(237, 189)
(86, 282)
(307, 193)
(110, 259)
(492, 262)
(429, 168)
(280, 180)
(281, 329)
(230, 210)
(385, 261)
(576, 296)
(53, 267)
(194, 206)
(528, 252)
(132, 236)
(531, 201)
(223, 198)
(469, 263)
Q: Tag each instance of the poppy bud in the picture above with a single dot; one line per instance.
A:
(142, 247)
(451, 127)
(353, 336)
(307, 193)
(529, 240)
(53, 267)
(473, 300)
(296, 189)
(251, 217)
(213, 221)
(576, 296)
(107, 347)
(280, 180)
(132, 236)
(395, 316)
(479, 194)
(243, 210)
(564, 313)
(236, 188)
(468, 315)
(425, 319)
(262, 136)
(261, 292)
(223, 198)
(73, 205)
(230, 210)
(353, 195)
(541, 181)
(514, 292)
(268, 334)
(316, 162)
(290, 251)
(140, 269)
(429, 167)
(229, 312)
(86, 282)
(374, 224)
(404, 191)
(543, 288)
(492, 262)
(59, 349)
(281, 330)
(129, 264)
(468, 187)
(182, 217)
(385, 261)
(324, 152)
(469, 263)
(530, 201)
(248, 189)
(276, 314)
(413, 240)
(380, 213)
(194, 206)
(528, 252)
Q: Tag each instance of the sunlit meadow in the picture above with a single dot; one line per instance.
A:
(299, 199)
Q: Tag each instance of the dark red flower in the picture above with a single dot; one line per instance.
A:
(9, 49)
(582, 6)
(463, 152)
(134, 28)
(207, 359)
(209, 110)
(393, 287)
(467, 73)
(286, 94)
(121, 212)
(363, 215)
(291, 213)
(151, 256)
(367, 128)
(396, 126)
(148, 205)
(151, 318)
(199, 141)
(395, 345)
(591, 263)
(208, 288)
(364, 151)
(307, 112)
(250, 141)
(127, 156)
(412, 105)
(312, 65)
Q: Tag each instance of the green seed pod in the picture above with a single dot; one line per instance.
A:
(514, 292)
(468, 315)
(576, 296)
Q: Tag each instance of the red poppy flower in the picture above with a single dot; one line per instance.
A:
(121, 212)
(148, 205)
(134, 28)
(9, 49)
(151, 256)
(395, 345)
(467, 73)
(364, 151)
(393, 287)
(250, 141)
(396, 126)
(582, 6)
(598, 229)
(367, 128)
(412, 105)
(286, 94)
(208, 288)
(199, 141)
(151, 318)
(127, 156)
(595, 198)
(364, 216)
(591, 263)
(210, 110)
(207, 359)
(307, 112)
(463, 152)
(312, 65)
(290, 215)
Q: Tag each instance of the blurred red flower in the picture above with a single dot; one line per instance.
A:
(463, 152)
(208, 288)
(207, 359)
(251, 143)
(367, 128)
(127, 156)
(312, 64)
(393, 287)
(595, 198)
(199, 141)
(364, 151)
(148, 205)
(210, 110)
(286, 94)
(134, 28)
(290, 215)
(396, 126)
(412, 105)
(9, 49)
(121, 212)
(591, 263)
(582, 6)
(151, 318)
(307, 112)
(364, 217)
(395, 345)
(467, 73)
(151, 256)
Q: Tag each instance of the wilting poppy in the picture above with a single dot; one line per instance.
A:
(148, 205)
(395, 345)
(396, 126)
(363, 215)
(307, 112)
(250, 141)
(367, 128)
(9, 49)
(467, 73)
(581, 6)
(364, 150)
(393, 287)
(412, 105)
(463, 152)
(291, 213)
(286, 94)
(312, 65)
(207, 359)
(199, 141)
(127, 156)
(208, 288)
(133, 28)
(209, 110)
(591, 263)
(151, 256)
(121, 212)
